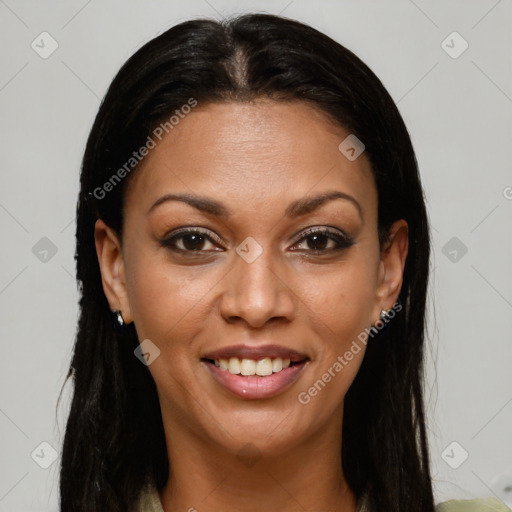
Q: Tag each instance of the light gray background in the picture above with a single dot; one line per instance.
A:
(458, 111)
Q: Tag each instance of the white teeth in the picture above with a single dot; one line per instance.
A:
(262, 367)
(234, 365)
(277, 365)
(248, 367)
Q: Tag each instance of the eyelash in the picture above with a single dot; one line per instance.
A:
(343, 241)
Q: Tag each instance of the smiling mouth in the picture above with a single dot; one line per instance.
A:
(262, 367)
(255, 372)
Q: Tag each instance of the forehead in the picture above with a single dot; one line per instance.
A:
(255, 153)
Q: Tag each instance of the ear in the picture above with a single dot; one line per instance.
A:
(110, 259)
(391, 268)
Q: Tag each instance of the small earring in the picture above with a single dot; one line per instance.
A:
(119, 317)
(384, 314)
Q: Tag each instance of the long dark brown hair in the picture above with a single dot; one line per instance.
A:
(114, 439)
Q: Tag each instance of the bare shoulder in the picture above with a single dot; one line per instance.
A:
(474, 505)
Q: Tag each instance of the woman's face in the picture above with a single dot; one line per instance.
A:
(247, 282)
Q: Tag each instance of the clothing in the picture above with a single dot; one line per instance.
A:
(475, 505)
(150, 502)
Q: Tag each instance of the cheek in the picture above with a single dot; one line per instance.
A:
(344, 301)
(340, 307)
(166, 300)
(342, 312)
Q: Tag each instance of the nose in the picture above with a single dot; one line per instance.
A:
(255, 293)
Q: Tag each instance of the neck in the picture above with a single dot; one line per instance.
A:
(206, 477)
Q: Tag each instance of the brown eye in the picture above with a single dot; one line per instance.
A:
(191, 240)
(318, 240)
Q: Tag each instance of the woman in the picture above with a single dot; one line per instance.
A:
(252, 254)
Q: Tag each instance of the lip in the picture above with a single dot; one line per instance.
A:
(254, 387)
(256, 353)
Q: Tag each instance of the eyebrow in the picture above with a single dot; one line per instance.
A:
(296, 209)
